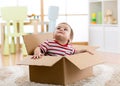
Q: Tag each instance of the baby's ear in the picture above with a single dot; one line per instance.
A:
(71, 39)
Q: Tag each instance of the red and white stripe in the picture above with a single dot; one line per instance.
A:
(53, 48)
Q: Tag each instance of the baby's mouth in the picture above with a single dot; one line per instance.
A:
(60, 32)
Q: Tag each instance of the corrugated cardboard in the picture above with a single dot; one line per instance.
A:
(33, 40)
(58, 69)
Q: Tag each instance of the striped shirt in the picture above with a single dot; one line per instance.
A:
(53, 48)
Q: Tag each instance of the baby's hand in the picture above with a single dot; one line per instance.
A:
(90, 52)
(37, 56)
(85, 50)
(37, 53)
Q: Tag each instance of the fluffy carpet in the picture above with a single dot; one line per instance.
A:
(104, 75)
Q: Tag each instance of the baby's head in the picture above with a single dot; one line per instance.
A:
(63, 31)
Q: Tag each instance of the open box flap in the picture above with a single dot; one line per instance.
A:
(79, 47)
(84, 60)
(44, 61)
(33, 40)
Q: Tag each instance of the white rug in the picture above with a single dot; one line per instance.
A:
(104, 75)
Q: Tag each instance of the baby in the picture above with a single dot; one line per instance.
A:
(60, 45)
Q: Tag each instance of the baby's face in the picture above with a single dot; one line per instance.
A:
(63, 31)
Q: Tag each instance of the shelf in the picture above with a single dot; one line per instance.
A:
(106, 33)
(110, 25)
(100, 8)
(101, 0)
(96, 24)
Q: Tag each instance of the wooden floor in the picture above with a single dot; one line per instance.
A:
(13, 59)
(10, 60)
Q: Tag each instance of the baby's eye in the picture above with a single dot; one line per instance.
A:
(58, 28)
(65, 29)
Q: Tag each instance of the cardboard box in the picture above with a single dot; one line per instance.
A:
(58, 69)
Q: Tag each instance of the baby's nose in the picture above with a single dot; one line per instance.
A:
(61, 29)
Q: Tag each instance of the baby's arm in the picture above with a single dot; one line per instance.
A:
(83, 51)
(37, 53)
(41, 50)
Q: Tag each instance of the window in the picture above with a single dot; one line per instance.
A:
(33, 5)
(75, 12)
